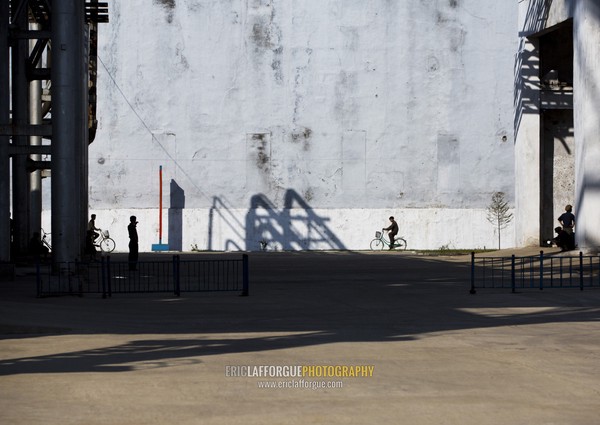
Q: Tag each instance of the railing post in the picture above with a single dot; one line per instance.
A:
(512, 273)
(108, 278)
(176, 275)
(580, 271)
(77, 276)
(571, 271)
(472, 291)
(542, 270)
(560, 271)
(38, 274)
(531, 271)
(103, 276)
(245, 276)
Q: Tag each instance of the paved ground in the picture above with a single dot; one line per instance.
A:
(439, 355)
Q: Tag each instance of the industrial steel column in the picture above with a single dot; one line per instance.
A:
(35, 118)
(69, 122)
(20, 119)
(4, 140)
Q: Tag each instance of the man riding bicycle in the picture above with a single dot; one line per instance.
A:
(393, 229)
(93, 235)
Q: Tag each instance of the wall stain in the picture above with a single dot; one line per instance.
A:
(298, 83)
(276, 64)
(261, 34)
(345, 105)
(456, 31)
(169, 6)
(302, 136)
(262, 154)
(308, 194)
(433, 64)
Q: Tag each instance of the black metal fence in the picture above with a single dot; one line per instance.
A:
(108, 277)
(536, 272)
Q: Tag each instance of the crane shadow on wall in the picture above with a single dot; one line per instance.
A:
(294, 227)
(176, 206)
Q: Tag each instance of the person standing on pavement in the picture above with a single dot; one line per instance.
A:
(393, 229)
(133, 242)
(567, 220)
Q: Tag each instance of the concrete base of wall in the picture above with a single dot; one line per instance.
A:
(302, 229)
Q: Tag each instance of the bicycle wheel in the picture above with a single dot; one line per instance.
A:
(376, 244)
(400, 244)
(107, 245)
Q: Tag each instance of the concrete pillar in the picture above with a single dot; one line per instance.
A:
(4, 140)
(68, 125)
(586, 38)
(527, 145)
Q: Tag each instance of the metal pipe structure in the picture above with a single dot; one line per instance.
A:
(4, 140)
(35, 118)
(31, 31)
(69, 123)
(20, 117)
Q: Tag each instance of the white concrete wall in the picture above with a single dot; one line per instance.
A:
(587, 122)
(342, 111)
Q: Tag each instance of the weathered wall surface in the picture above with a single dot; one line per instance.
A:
(535, 17)
(305, 123)
(587, 122)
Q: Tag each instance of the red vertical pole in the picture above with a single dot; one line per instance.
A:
(160, 206)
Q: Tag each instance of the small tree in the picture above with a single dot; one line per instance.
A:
(497, 213)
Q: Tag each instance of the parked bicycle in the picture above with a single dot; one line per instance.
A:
(46, 241)
(105, 242)
(380, 242)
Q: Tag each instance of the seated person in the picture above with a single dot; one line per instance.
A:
(36, 247)
(564, 240)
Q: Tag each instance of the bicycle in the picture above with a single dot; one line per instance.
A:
(105, 242)
(380, 241)
(46, 240)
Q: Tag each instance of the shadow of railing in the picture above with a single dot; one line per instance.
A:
(527, 85)
(536, 17)
(295, 227)
(221, 210)
(527, 61)
(308, 300)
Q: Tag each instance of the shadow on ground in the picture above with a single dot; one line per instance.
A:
(297, 300)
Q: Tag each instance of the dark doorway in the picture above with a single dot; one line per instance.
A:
(557, 141)
(557, 168)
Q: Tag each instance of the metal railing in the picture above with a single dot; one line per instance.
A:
(538, 271)
(108, 277)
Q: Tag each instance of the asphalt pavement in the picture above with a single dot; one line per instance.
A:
(323, 338)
